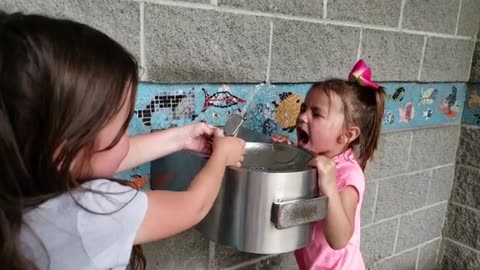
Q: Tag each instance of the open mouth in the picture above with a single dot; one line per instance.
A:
(302, 137)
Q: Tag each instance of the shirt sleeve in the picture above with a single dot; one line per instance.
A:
(110, 217)
(350, 174)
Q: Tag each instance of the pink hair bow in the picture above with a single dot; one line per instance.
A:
(362, 74)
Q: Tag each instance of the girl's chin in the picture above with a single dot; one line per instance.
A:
(305, 146)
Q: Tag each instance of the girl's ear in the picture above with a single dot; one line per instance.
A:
(350, 135)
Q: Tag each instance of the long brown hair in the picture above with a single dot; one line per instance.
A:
(61, 82)
(363, 107)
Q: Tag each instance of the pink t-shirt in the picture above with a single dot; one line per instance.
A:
(318, 255)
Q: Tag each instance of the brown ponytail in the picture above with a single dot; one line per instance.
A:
(369, 139)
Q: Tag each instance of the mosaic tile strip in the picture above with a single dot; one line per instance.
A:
(274, 108)
(471, 113)
(175, 105)
(422, 105)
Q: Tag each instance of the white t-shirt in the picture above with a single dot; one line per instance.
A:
(84, 229)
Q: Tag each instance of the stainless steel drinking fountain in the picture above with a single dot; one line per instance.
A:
(267, 207)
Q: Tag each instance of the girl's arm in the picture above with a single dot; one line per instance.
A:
(170, 212)
(339, 223)
(147, 147)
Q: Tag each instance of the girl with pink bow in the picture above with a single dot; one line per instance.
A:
(340, 121)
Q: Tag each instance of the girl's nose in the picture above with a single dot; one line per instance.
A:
(302, 117)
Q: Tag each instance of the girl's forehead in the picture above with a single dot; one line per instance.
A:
(324, 98)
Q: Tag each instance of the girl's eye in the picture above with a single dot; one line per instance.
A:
(317, 113)
(303, 108)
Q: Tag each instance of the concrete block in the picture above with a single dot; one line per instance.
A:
(194, 1)
(401, 194)
(309, 8)
(304, 52)
(457, 257)
(188, 250)
(124, 27)
(368, 204)
(391, 156)
(427, 259)
(441, 184)
(282, 262)
(469, 149)
(377, 240)
(227, 257)
(438, 16)
(421, 226)
(433, 147)
(475, 71)
(406, 260)
(466, 188)
(377, 12)
(392, 56)
(193, 45)
(469, 20)
(462, 225)
(447, 60)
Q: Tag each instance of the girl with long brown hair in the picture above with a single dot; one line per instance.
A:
(67, 94)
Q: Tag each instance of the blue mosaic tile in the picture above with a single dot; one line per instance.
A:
(471, 113)
(158, 106)
(420, 105)
(274, 108)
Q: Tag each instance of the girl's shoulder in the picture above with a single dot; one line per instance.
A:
(347, 162)
(103, 195)
(349, 172)
(94, 203)
(104, 185)
(97, 195)
(96, 222)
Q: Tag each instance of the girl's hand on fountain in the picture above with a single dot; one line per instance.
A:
(196, 137)
(327, 180)
(231, 148)
(278, 138)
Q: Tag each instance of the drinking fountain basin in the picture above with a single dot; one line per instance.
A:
(267, 206)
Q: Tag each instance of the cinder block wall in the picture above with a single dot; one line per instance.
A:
(303, 41)
(461, 241)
